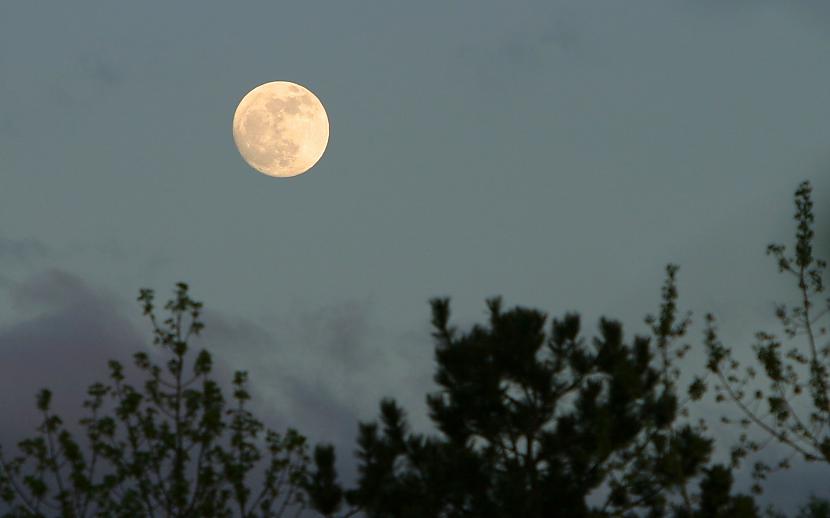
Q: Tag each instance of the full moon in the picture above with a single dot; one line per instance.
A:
(281, 129)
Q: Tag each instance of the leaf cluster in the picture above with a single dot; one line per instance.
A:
(786, 393)
(170, 447)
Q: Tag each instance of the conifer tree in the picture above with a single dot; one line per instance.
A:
(538, 423)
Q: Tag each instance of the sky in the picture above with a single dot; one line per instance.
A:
(557, 153)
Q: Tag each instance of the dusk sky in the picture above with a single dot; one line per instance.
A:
(557, 153)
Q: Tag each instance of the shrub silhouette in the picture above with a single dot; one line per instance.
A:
(173, 447)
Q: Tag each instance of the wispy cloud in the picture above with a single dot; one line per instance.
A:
(315, 371)
(68, 332)
(322, 369)
(22, 250)
(815, 10)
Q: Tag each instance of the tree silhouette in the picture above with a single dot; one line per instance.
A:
(174, 448)
(538, 424)
(531, 419)
(794, 407)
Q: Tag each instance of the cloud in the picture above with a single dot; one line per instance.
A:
(530, 46)
(90, 79)
(22, 250)
(317, 370)
(814, 10)
(322, 369)
(8, 126)
(52, 290)
(328, 344)
(303, 368)
(68, 332)
(65, 333)
(100, 70)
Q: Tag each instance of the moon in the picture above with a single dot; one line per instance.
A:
(281, 129)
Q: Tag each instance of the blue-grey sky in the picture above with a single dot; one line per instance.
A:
(558, 153)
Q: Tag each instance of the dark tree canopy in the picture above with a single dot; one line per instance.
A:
(539, 423)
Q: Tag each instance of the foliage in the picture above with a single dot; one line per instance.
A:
(529, 422)
(715, 498)
(794, 407)
(540, 424)
(172, 448)
(815, 508)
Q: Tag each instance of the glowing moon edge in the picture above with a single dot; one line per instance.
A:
(281, 129)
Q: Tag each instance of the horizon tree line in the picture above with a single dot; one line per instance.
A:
(531, 418)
